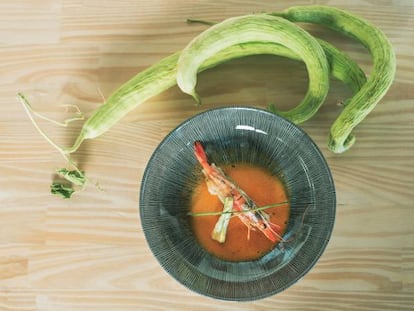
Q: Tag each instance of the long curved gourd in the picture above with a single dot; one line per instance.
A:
(382, 73)
(162, 75)
(263, 28)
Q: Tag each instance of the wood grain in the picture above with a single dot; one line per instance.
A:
(89, 253)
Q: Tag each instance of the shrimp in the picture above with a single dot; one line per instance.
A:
(243, 206)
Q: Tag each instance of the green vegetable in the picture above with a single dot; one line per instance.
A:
(65, 187)
(162, 75)
(220, 229)
(75, 177)
(263, 28)
(380, 79)
(62, 190)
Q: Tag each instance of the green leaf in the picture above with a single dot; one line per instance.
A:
(76, 177)
(62, 190)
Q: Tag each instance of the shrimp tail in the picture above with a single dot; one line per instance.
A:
(271, 232)
(271, 235)
(275, 227)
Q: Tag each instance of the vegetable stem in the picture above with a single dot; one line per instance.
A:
(28, 109)
(200, 21)
(201, 214)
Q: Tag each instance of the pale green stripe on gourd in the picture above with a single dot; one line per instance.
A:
(343, 68)
(263, 28)
(381, 76)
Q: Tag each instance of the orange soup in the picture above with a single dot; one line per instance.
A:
(264, 189)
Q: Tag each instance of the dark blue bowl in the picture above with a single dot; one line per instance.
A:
(230, 135)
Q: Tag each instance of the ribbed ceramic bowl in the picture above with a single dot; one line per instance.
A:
(230, 135)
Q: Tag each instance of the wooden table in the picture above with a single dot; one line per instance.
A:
(89, 252)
